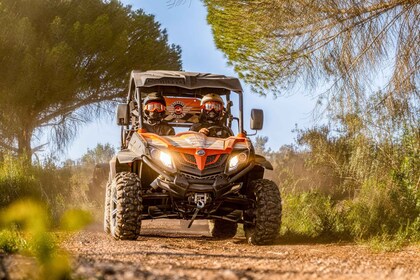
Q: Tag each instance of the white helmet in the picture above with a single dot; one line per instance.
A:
(211, 97)
(211, 107)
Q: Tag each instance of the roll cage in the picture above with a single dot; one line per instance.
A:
(178, 86)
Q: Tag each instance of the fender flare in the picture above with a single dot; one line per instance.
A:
(123, 157)
(126, 156)
(263, 162)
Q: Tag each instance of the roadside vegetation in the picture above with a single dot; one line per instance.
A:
(43, 203)
(26, 228)
(69, 185)
(64, 63)
(358, 176)
(341, 185)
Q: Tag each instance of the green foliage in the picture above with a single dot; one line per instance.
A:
(102, 153)
(17, 181)
(369, 188)
(64, 61)
(11, 241)
(259, 145)
(380, 210)
(33, 199)
(25, 228)
(313, 215)
(238, 32)
(392, 242)
(275, 44)
(374, 217)
(386, 243)
(60, 188)
(32, 219)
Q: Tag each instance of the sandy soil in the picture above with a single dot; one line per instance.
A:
(167, 251)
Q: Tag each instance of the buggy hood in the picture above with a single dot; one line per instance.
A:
(196, 141)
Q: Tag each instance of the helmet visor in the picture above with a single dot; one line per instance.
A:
(154, 106)
(212, 105)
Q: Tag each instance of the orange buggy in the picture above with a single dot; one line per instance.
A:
(189, 176)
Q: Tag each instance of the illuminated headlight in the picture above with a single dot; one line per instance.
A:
(163, 157)
(166, 160)
(236, 161)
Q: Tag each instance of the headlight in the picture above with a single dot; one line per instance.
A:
(236, 161)
(164, 158)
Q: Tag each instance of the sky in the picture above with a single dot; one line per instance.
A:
(187, 26)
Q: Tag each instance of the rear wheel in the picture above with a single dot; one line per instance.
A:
(223, 229)
(264, 219)
(107, 207)
(125, 206)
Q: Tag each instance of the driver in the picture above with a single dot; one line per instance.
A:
(154, 109)
(211, 116)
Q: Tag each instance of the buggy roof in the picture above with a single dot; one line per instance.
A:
(185, 80)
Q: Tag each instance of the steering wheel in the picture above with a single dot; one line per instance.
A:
(213, 130)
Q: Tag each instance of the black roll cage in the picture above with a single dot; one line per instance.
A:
(137, 94)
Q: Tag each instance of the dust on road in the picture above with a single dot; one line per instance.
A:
(166, 251)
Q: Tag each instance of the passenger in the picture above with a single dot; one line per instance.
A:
(211, 117)
(154, 109)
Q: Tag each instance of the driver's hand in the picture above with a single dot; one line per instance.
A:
(204, 131)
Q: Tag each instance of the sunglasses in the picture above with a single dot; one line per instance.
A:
(154, 106)
(212, 105)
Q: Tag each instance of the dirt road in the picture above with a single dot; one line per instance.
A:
(164, 251)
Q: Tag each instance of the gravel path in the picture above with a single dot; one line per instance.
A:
(165, 251)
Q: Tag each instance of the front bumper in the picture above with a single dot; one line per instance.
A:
(180, 184)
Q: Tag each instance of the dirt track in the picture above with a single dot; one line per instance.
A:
(164, 251)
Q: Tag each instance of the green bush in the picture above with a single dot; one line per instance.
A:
(11, 241)
(376, 215)
(371, 185)
(312, 215)
(17, 181)
(382, 210)
(25, 228)
(59, 187)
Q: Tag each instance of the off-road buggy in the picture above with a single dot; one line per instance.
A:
(189, 176)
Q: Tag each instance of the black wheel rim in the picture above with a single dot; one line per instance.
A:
(250, 216)
(113, 209)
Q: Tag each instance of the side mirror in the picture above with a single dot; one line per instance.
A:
(122, 114)
(257, 119)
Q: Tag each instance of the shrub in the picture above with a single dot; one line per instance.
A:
(371, 185)
(17, 181)
(312, 214)
(381, 209)
(34, 237)
(59, 188)
(11, 241)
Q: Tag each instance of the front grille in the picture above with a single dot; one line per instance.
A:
(215, 163)
(188, 160)
(193, 177)
(210, 159)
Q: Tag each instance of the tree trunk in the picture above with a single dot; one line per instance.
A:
(24, 144)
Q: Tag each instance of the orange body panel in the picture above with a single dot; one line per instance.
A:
(200, 160)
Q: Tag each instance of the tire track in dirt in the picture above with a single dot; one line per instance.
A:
(165, 251)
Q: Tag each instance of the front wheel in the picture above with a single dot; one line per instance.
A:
(264, 218)
(125, 206)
